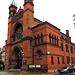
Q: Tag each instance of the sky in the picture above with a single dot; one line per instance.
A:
(57, 12)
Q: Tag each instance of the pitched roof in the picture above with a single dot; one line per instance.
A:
(45, 23)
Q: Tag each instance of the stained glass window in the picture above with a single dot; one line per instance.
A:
(18, 32)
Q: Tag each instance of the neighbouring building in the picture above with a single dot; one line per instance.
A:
(0, 48)
(33, 42)
(3, 54)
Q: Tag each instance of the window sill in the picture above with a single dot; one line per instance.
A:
(52, 63)
(58, 63)
(67, 51)
(62, 50)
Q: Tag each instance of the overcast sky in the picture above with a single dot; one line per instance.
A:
(57, 12)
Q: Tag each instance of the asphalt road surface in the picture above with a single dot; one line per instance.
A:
(9, 73)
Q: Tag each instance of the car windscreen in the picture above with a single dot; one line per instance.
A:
(74, 66)
(64, 68)
(68, 67)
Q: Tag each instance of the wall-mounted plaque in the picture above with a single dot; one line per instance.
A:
(24, 62)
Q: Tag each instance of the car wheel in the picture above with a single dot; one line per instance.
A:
(73, 71)
(67, 72)
(2, 68)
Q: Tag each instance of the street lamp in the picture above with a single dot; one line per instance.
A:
(48, 52)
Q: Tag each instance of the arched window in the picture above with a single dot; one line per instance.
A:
(35, 39)
(65, 39)
(41, 38)
(18, 32)
(39, 54)
(38, 39)
(67, 48)
(62, 46)
(52, 60)
(57, 40)
(14, 12)
(58, 60)
(61, 37)
(49, 38)
(52, 39)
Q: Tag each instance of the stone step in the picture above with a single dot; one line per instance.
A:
(15, 70)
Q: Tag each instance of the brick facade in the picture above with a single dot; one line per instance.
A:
(35, 41)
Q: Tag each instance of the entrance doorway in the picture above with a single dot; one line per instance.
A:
(17, 58)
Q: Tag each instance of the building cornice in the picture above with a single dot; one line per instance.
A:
(19, 41)
(28, 2)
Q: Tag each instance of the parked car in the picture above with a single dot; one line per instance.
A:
(73, 67)
(1, 66)
(68, 69)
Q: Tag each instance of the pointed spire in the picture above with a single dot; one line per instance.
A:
(14, 3)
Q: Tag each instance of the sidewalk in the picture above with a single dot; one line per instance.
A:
(18, 73)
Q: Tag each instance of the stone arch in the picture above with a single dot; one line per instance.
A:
(16, 57)
(39, 50)
(18, 31)
(39, 53)
(17, 46)
(42, 38)
(19, 22)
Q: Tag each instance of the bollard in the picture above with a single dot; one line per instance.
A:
(11, 73)
(5, 73)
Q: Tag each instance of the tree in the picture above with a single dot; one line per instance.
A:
(1, 57)
(74, 20)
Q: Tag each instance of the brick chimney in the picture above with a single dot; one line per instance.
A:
(67, 33)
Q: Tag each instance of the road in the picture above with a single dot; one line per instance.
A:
(8, 73)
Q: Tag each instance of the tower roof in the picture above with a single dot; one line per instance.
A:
(14, 3)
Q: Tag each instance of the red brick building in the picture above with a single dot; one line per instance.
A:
(31, 41)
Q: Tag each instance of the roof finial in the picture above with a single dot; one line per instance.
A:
(20, 7)
(43, 19)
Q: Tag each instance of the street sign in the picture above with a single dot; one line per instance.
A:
(38, 66)
(32, 66)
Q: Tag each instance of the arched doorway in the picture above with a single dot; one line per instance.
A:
(16, 58)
